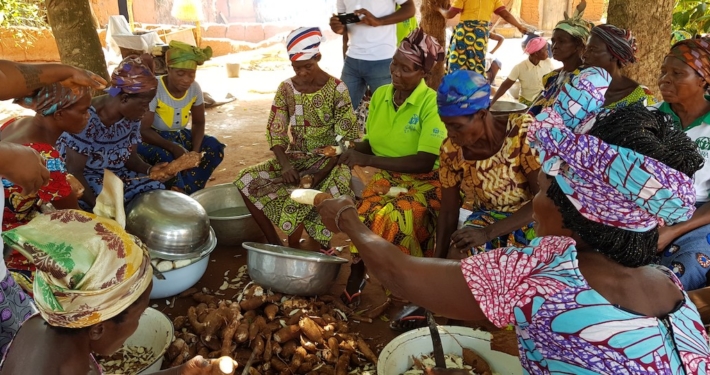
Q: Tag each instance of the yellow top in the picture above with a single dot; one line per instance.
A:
(477, 10)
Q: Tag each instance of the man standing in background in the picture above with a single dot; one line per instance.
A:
(368, 45)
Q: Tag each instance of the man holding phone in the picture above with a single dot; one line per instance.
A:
(369, 35)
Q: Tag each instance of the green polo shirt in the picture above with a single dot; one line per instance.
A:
(699, 132)
(415, 127)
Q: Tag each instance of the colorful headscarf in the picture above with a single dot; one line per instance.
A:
(575, 25)
(679, 35)
(535, 45)
(578, 103)
(304, 43)
(607, 184)
(422, 49)
(133, 75)
(462, 93)
(695, 53)
(184, 56)
(49, 99)
(88, 268)
(619, 42)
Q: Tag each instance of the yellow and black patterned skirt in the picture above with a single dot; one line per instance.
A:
(469, 46)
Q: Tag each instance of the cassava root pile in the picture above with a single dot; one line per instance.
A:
(187, 161)
(289, 335)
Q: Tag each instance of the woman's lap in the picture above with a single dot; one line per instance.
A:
(689, 258)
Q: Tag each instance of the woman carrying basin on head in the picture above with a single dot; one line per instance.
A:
(314, 109)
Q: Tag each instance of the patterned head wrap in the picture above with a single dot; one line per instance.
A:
(49, 99)
(575, 25)
(88, 268)
(607, 184)
(304, 43)
(133, 75)
(462, 93)
(184, 56)
(535, 45)
(695, 53)
(422, 49)
(619, 42)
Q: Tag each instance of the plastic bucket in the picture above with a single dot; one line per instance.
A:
(396, 357)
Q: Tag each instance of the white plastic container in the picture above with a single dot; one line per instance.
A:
(155, 331)
(396, 357)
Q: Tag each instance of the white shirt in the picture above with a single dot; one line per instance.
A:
(530, 77)
(367, 42)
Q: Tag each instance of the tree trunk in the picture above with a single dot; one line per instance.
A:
(434, 24)
(651, 25)
(77, 39)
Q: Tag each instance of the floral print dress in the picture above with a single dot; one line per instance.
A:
(566, 327)
(313, 120)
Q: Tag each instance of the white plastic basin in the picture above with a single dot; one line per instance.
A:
(155, 331)
(396, 357)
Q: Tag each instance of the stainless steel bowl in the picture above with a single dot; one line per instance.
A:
(291, 271)
(229, 217)
(172, 225)
(504, 108)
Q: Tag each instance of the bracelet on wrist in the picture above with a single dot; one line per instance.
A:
(340, 212)
(148, 171)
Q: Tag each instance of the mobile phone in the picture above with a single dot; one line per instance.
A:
(346, 18)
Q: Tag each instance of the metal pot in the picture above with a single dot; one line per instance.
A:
(229, 217)
(291, 271)
(172, 225)
(505, 108)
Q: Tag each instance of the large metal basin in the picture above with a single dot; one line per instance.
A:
(229, 217)
(292, 271)
(505, 108)
(172, 225)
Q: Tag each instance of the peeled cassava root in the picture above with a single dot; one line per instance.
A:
(309, 196)
(288, 335)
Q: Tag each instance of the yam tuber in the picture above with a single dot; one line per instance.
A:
(224, 366)
(295, 318)
(271, 310)
(308, 345)
(194, 322)
(227, 336)
(342, 367)
(187, 161)
(258, 346)
(214, 321)
(278, 365)
(175, 349)
(478, 364)
(366, 351)
(256, 327)
(242, 333)
(288, 349)
(179, 322)
(268, 349)
(287, 333)
(252, 303)
(275, 348)
(298, 357)
(183, 353)
(333, 346)
(312, 330)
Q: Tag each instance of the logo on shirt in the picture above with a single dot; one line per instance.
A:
(412, 125)
(703, 143)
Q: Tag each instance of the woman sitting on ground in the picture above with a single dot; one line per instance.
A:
(57, 110)
(684, 79)
(92, 285)
(568, 43)
(315, 109)
(404, 135)
(112, 135)
(578, 294)
(529, 72)
(164, 127)
(611, 49)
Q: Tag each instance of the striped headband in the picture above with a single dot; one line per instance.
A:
(304, 43)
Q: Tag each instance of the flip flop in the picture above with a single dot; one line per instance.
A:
(411, 317)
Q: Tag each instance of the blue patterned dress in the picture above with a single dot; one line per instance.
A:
(108, 147)
(566, 327)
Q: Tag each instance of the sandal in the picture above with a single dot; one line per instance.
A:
(411, 317)
(353, 300)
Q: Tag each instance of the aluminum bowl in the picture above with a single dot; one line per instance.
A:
(172, 225)
(291, 271)
(505, 108)
(229, 217)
